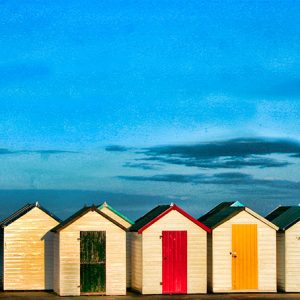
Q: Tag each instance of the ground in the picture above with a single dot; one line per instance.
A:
(51, 296)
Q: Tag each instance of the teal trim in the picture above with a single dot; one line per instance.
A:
(116, 212)
(237, 204)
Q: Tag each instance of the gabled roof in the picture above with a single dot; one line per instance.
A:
(157, 213)
(105, 204)
(81, 213)
(225, 211)
(24, 210)
(284, 216)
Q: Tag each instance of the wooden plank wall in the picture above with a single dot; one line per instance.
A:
(222, 259)
(292, 259)
(69, 255)
(28, 252)
(136, 261)
(152, 254)
(123, 222)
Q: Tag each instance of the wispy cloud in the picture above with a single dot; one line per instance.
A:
(229, 178)
(142, 165)
(228, 154)
(4, 151)
(116, 148)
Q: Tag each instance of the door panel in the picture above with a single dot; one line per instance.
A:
(244, 257)
(174, 262)
(92, 261)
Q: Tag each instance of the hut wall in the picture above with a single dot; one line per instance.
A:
(222, 243)
(281, 261)
(120, 220)
(152, 254)
(136, 261)
(69, 254)
(292, 258)
(28, 252)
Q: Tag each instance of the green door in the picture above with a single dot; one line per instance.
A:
(92, 262)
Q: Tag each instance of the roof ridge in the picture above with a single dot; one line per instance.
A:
(105, 204)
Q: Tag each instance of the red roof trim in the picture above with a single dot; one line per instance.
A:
(175, 207)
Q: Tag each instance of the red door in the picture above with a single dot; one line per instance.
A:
(174, 265)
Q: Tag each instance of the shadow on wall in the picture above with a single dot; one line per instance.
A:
(48, 259)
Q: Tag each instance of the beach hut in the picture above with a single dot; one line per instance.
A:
(168, 252)
(26, 249)
(126, 222)
(241, 250)
(90, 254)
(287, 218)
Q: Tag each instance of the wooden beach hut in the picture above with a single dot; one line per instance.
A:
(126, 222)
(90, 254)
(26, 249)
(287, 218)
(168, 252)
(241, 250)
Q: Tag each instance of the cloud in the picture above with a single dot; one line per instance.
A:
(228, 178)
(116, 148)
(43, 153)
(228, 154)
(142, 165)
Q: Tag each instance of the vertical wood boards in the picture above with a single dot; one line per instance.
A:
(174, 262)
(244, 257)
(67, 252)
(147, 255)
(28, 252)
(222, 260)
(92, 262)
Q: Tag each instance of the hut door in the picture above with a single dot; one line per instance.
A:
(244, 257)
(92, 262)
(174, 262)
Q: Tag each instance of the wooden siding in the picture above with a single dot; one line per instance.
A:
(221, 258)
(126, 224)
(152, 254)
(136, 261)
(68, 254)
(292, 258)
(281, 261)
(28, 252)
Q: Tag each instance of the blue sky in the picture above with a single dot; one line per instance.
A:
(144, 102)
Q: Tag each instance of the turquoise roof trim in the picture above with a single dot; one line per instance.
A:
(237, 204)
(105, 204)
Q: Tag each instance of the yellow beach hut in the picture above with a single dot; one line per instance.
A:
(241, 250)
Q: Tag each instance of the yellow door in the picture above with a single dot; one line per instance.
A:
(244, 257)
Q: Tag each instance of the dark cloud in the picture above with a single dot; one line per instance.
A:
(229, 178)
(231, 163)
(142, 165)
(233, 153)
(116, 148)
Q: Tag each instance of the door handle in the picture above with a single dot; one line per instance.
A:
(233, 254)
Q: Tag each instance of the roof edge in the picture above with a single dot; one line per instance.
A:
(105, 204)
(181, 211)
(81, 213)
